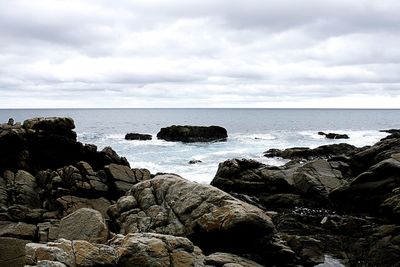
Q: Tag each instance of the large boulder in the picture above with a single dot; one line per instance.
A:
(369, 189)
(212, 219)
(189, 134)
(365, 158)
(84, 224)
(317, 179)
(253, 178)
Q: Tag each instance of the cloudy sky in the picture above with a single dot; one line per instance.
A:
(208, 53)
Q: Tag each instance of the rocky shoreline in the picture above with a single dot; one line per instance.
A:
(63, 203)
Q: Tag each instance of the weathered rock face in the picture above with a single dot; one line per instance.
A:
(229, 260)
(189, 134)
(325, 151)
(141, 250)
(12, 252)
(84, 224)
(369, 156)
(48, 143)
(365, 181)
(317, 179)
(279, 187)
(369, 189)
(212, 219)
(138, 136)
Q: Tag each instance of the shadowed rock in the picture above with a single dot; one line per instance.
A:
(190, 134)
(137, 136)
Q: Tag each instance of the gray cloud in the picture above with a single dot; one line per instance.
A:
(221, 53)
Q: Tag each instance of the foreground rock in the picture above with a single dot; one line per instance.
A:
(212, 219)
(138, 136)
(343, 205)
(84, 224)
(190, 134)
(141, 250)
(334, 135)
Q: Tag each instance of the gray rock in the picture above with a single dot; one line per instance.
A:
(317, 179)
(141, 250)
(18, 230)
(227, 259)
(84, 224)
(121, 173)
(71, 204)
(169, 204)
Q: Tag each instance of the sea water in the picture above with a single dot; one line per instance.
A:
(251, 132)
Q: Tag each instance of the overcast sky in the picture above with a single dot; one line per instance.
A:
(206, 53)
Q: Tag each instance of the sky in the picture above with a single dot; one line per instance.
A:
(208, 53)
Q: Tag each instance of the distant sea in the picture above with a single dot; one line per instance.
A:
(251, 132)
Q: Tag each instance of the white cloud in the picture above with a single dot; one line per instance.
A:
(216, 53)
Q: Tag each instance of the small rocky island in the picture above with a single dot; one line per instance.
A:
(64, 203)
(191, 134)
(138, 136)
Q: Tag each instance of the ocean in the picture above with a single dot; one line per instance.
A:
(250, 131)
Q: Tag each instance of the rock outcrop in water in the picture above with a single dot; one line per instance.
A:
(334, 135)
(89, 208)
(138, 136)
(190, 134)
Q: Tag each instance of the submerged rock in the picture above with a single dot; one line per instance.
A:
(334, 135)
(190, 134)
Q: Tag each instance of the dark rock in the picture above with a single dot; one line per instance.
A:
(12, 252)
(189, 134)
(391, 131)
(369, 189)
(48, 143)
(253, 178)
(391, 206)
(10, 122)
(334, 135)
(325, 151)
(368, 156)
(138, 136)
(17, 230)
(194, 161)
(317, 179)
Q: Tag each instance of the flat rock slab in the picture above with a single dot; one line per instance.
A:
(84, 224)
